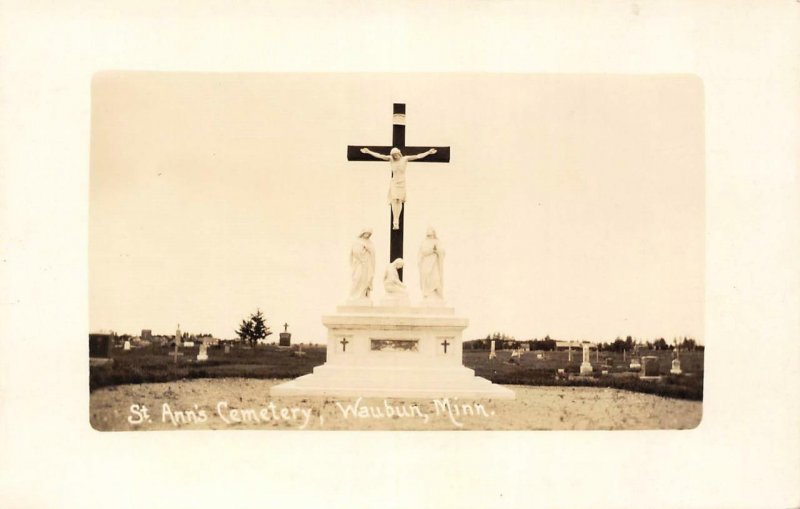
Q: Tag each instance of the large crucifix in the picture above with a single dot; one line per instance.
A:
(398, 154)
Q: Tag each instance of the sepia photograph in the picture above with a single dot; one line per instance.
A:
(396, 252)
(399, 254)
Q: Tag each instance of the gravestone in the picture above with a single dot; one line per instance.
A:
(586, 365)
(177, 342)
(227, 347)
(203, 353)
(676, 362)
(285, 338)
(492, 352)
(650, 366)
(100, 348)
(394, 349)
(126, 345)
(635, 364)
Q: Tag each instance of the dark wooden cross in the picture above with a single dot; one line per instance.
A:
(444, 344)
(285, 327)
(442, 155)
(344, 344)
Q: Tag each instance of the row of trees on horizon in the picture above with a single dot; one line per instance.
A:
(503, 341)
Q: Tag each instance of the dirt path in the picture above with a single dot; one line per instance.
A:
(236, 403)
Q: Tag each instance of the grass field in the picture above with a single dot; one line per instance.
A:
(154, 364)
(534, 371)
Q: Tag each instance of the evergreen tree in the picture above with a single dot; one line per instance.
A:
(253, 328)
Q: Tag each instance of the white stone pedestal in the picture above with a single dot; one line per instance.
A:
(676, 367)
(393, 352)
(586, 368)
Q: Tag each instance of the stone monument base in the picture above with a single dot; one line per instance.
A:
(393, 352)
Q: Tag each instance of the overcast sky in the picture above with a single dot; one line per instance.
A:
(573, 205)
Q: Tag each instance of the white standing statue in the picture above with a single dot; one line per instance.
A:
(362, 265)
(396, 291)
(431, 268)
(397, 188)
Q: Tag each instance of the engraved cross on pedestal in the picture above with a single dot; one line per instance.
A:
(344, 344)
(445, 345)
(442, 155)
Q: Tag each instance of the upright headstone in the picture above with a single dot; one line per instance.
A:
(650, 365)
(586, 365)
(175, 353)
(285, 336)
(227, 347)
(203, 354)
(492, 352)
(100, 346)
(126, 345)
(676, 362)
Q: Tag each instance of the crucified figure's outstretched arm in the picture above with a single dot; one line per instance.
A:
(376, 155)
(427, 153)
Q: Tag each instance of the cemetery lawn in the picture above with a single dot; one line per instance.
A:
(154, 364)
(534, 371)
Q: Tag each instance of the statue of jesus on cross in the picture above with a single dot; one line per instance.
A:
(397, 188)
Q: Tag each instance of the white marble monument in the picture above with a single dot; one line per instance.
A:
(202, 355)
(586, 366)
(395, 350)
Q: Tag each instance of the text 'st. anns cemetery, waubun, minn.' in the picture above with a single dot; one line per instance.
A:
(396, 252)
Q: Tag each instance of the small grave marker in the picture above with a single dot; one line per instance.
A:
(203, 354)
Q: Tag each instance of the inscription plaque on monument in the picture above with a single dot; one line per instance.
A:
(394, 345)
